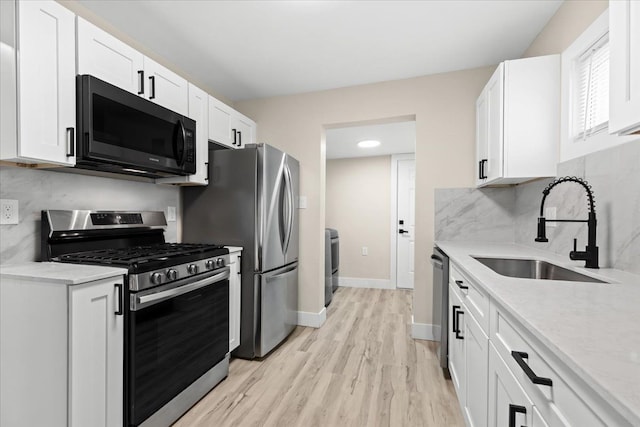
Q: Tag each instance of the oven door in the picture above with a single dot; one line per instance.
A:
(121, 132)
(176, 334)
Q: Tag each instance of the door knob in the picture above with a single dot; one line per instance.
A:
(401, 231)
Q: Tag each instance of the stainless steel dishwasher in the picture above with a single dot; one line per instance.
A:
(440, 262)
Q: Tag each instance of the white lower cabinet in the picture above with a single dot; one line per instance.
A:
(234, 297)
(504, 377)
(508, 404)
(468, 359)
(96, 354)
(62, 351)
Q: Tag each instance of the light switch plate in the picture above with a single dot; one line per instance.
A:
(302, 202)
(365, 251)
(8, 212)
(171, 213)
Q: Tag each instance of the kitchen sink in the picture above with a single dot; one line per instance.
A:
(534, 269)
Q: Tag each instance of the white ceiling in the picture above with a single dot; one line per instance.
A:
(395, 138)
(254, 49)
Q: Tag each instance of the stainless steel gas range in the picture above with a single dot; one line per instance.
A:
(175, 305)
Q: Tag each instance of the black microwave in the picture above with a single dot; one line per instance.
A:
(121, 132)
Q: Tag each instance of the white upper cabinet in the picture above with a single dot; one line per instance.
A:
(166, 88)
(228, 127)
(624, 82)
(38, 83)
(244, 130)
(107, 58)
(102, 55)
(198, 111)
(517, 122)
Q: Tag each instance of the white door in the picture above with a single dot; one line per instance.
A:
(476, 356)
(406, 186)
(220, 123)
(495, 140)
(166, 88)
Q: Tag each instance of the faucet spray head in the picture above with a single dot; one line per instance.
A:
(542, 230)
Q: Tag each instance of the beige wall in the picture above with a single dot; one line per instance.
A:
(444, 110)
(358, 205)
(571, 19)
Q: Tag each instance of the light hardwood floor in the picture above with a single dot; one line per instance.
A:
(362, 368)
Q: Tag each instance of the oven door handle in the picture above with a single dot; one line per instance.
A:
(140, 302)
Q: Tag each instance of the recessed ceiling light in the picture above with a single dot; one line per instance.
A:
(369, 143)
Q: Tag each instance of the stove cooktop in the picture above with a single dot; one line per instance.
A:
(140, 259)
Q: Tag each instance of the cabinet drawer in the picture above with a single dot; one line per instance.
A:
(474, 297)
(559, 402)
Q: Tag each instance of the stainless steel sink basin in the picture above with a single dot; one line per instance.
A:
(534, 269)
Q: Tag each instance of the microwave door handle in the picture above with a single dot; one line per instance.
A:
(178, 144)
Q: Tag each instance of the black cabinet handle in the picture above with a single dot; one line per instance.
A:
(519, 357)
(235, 136)
(118, 287)
(513, 410)
(152, 79)
(454, 327)
(458, 336)
(482, 163)
(460, 285)
(71, 142)
(207, 166)
(401, 231)
(480, 169)
(239, 139)
(141, 82)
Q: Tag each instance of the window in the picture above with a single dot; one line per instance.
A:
(592, 90)
(585, 93)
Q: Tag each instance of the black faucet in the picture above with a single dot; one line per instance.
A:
(590, 254)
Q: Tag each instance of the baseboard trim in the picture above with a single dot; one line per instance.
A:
(313, 320)
(425, 331)
(359, 282)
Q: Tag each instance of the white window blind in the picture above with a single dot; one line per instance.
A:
(592, 89)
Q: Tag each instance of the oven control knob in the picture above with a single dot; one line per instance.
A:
(156, 278)
(210, 264)
(172, 274)
(220, 262)
(192, 269)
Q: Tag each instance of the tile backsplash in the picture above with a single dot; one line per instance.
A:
(37, 190)
(510, 214)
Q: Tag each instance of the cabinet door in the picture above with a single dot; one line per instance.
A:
(166, 88)
(481, 137)
(234, 302)
(624, 81)
(507, 400)
(96, 353)
(495, 125)
(244, 129)
(46, 82)
(220, 116)
(456, 345)
(476, 367)
(107, 58)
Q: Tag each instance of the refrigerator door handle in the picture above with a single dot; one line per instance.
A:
(290, 207)
(283, 211)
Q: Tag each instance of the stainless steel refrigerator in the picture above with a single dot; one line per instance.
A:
(251, 201)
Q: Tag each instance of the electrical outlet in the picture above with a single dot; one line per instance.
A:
(365, 251)
(8, 212)
(550, 213)
(171, 213)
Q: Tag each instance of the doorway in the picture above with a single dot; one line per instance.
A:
(362, 195)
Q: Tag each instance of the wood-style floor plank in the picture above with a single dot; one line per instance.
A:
(362, 368)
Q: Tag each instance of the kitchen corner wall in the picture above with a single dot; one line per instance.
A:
(38, 190)
(510, 214)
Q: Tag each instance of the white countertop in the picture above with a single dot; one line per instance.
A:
(594, 328)
(59, 273)
(233, 249)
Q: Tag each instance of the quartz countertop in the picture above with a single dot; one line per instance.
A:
(59, 273)
(591, 327)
